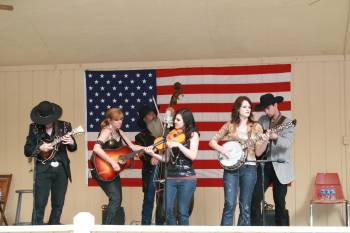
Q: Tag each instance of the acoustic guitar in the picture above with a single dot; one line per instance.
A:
(121, 155)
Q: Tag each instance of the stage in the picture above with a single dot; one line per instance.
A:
(85, 223)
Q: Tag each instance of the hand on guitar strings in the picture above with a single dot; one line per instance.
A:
(271, 135)
(225, 152)
(115, 165)
(46, 147)
(265, 137)
(67, 139)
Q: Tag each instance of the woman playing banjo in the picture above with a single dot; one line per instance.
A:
(240, 128)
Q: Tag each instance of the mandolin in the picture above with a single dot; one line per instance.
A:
(46, 156)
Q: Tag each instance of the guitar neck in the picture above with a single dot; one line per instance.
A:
(58, 140)
(132, 154)
(252, 141)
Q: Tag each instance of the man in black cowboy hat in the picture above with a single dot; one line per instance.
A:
(150, 129)
(52, 171)
(280, 174)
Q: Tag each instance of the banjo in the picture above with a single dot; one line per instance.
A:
(238, 150)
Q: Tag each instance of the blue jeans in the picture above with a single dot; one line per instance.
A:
(148, 200)
(182, 190)
(242, 179)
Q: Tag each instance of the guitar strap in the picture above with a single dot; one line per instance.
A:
(277, 123)
(92, 160)
(56, 129)
(122, 138)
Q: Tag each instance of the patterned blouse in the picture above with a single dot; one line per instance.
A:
(229, 132)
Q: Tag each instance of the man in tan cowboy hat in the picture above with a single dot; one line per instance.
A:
(280, 173)
(52, 169)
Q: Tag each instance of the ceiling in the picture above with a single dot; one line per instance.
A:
(91, 31)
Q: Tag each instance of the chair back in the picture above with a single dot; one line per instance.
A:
(5, 182)
(325, 182)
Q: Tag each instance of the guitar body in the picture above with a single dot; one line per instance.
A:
(236, 157)
(49, 154)
(45, 155)
(105, 170)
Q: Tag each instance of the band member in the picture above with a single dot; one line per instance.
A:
(112, 137)
(181, 181)
(279, 174)
(240, 128)
(51, 175)
(151, 129)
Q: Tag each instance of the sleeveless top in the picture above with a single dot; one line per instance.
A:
(179, 165)
(112, 143)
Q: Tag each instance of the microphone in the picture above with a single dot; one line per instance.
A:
(168, 118)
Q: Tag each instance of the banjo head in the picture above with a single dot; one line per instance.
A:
(235, 157)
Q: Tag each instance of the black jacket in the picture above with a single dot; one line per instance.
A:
(34, 140)
(144, 138)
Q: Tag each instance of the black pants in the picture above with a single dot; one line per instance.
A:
(113, 190)
(54, 179)
(279, 197)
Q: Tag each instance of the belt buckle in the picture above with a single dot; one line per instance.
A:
(54, 164)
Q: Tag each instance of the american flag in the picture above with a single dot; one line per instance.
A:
(208, 91)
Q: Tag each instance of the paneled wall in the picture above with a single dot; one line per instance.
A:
(321, 94)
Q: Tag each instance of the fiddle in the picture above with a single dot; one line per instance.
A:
(176, 135)
(159, 144)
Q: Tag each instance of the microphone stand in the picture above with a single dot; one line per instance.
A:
(167, 123)
(262, 166)
(33, 159)
(166, 157)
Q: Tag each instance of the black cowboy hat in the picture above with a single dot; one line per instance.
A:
(45, 113)
(143, 111)
(268, 99)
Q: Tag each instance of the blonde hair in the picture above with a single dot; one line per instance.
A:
(114, 114)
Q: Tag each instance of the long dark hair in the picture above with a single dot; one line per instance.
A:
(189, 122)
(235, 110)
